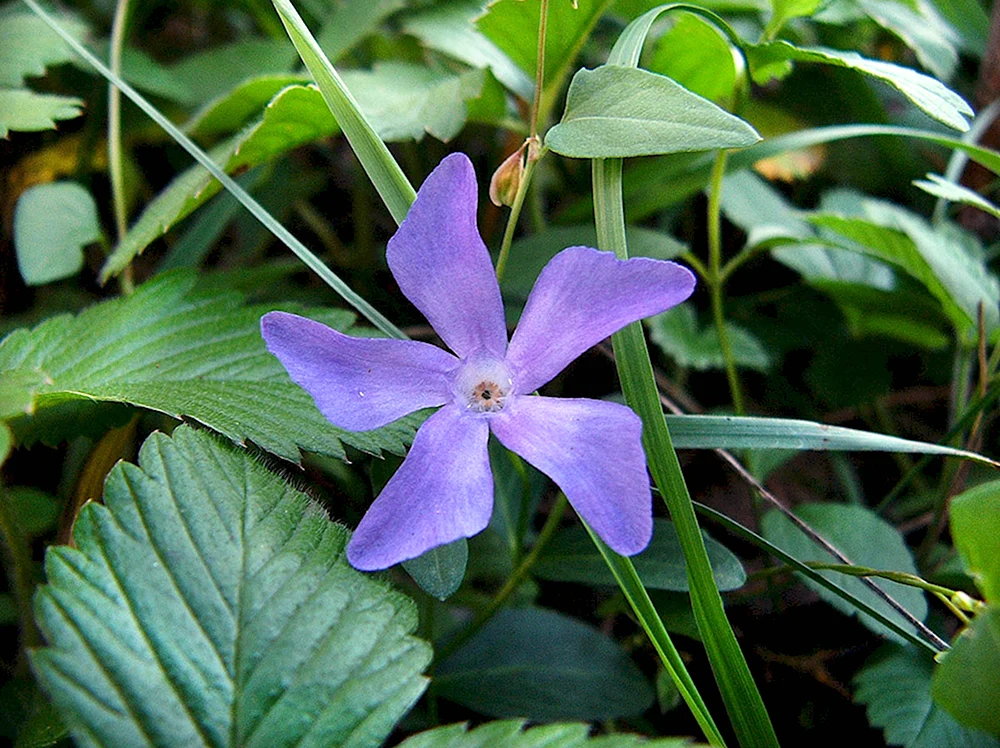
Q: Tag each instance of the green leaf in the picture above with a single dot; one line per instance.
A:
(755, 432)
(208, 602)
(783, 11)
(35, 512)
(404, 101)
(6, 442)
(695, 55)
(956, 193)
(349, 23)
(677, 334)
(543, 665)
(173, 348)
(28, 46)
(213, 73)
(866, 540)
(449, 28)
(297, 115)
(511, 734)
(571, 557)
(975, 528)
(440, 571)
(967, 682)
(22, 110)
(922, 30)
(939, 257)
(52, 224)
(615, 112)
(930, 95)
(896, 688)
(230, 111)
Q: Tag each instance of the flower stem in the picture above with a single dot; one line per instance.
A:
(543, 20)
(716, 279)
(115, 170)
(515, 212)
(510, 586)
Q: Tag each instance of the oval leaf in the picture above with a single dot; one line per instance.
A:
(615, 112)
(209, 603)
(52, 224)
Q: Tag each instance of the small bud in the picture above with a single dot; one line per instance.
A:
(506, 179)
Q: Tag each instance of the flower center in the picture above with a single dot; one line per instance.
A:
(482, 384)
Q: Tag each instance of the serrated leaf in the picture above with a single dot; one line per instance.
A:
(512, 734)
(28, 46)
(677, 334)
(975, 528)
(896, 688)
(187, 353)
(967, 682)
(449, 28)
(23, 110)
(543, 665)
(405, 101)
(209, 603)
(616, 111)
(571, 557)
(928, 94)
(295, 116)
(956, 193)
(867, 540)
(52, 224)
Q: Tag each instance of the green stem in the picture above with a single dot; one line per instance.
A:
(515, 214)
(743, 702)
(115, 168)
(716, 280)
(543, 21)
(510, 586)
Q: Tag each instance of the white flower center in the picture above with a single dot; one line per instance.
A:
(482, 384)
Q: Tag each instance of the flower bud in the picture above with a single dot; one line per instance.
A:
(507, 178)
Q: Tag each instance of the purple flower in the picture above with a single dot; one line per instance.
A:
(444, 489)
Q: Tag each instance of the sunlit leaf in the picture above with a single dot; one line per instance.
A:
(187, 353)
(209, 603)
(23, 110)
(975, 528)
(922, 30)
(28, 46)
(956, 193)
(52, 224)
(512, 734)
(967, 681)
(698, 57)
(618, 111)
(866, 540)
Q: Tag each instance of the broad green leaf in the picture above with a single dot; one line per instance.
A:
(185, 352)
(230, 111)
(571, 557)
(513, 26)
(956, 193)
(969, 20)
(866, 540)
(210, 603)
(544, 666)
(512, 734)
(615, 111)
(755, 432)
(22, 110)
(349, 23)
(28, 46)
(967, 681)
(449, 27)
(214, 72)
(676, 332)
(695, 55)
(975, 528)
(404, 101)
(921, 29)
(783, 11)
(440, 571)
(928, 94)
(52, 224)
(895, 687)
(939, 257)
(297, 115)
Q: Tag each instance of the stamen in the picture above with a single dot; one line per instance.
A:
(482, 385)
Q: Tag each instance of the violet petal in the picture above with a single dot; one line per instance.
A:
(442, 492)
(358, 383)
(580, 298)
(442, 265)
(593, 451)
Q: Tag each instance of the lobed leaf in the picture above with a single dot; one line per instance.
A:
(185, 352)
(209, 603)
(23, 110)
(677, 334)
(28, 46)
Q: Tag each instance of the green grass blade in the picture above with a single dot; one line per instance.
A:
(743, 702)
(392, 185)
(272, 224)
(627, 578)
